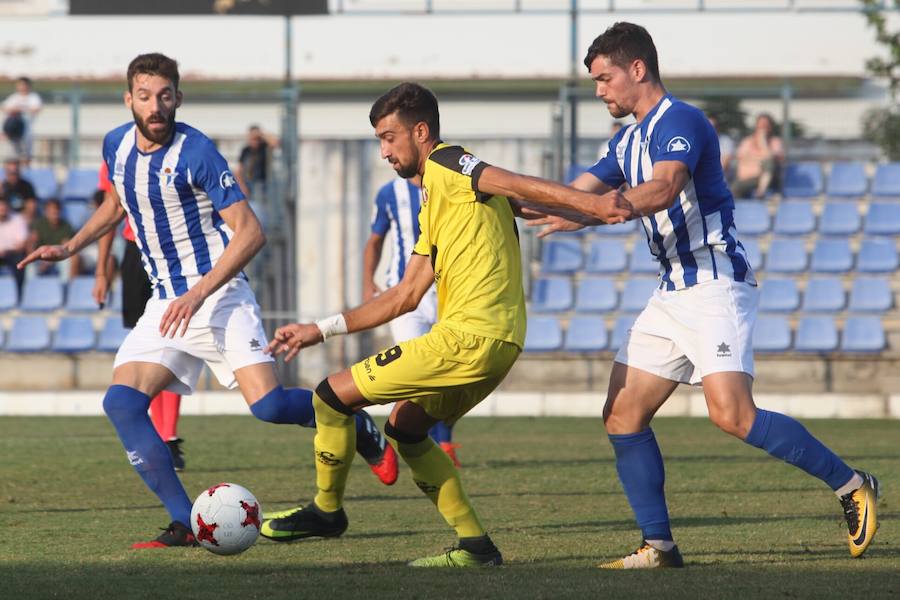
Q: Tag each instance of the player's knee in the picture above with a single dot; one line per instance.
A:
(271, 408)
(398, 435)
(730, 421)
(121, 401)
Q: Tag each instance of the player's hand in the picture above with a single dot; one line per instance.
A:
(49, 253)
(101, 289)
(179, 314)
(613, 207)
(292, 338)
(553, 224)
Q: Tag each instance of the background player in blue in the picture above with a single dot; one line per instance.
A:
(697, 326)
(196, 233)
(397, 210)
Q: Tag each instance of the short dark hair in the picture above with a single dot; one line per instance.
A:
(153, 64)
(26, 80)
(413, 104)
(624, 43)
(54, 202)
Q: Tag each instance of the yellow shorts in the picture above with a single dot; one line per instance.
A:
(446, 371)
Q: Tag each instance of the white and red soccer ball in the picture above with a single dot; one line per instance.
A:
(226, 518)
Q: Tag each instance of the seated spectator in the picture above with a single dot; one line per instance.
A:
(13, 239)
(253, 164)
(52, 229)
(726, 147)
(15, 188)
(759, 159)
(20, 110)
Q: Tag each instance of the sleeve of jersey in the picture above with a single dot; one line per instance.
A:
(458, 160)
(681, 136)
(109, 159)
(381, 222)
(211, 173)
(607, 168)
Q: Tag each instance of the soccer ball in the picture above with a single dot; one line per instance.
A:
(226, 518)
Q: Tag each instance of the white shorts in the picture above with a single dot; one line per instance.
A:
(418, 322)
(687, 334)
(226, 334)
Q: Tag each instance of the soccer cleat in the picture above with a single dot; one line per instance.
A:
(648, 557)
(861, 514)
(177, 455)
(450, 449)
(386, 468)
(176, 534)
(457, 557)
(305, 522)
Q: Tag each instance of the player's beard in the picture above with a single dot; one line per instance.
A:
(156, 138)
(406, 172)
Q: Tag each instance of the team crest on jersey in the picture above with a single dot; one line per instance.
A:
(167, 176)
(468, 162)
(424, 196)
(678, 144)
(226, 180)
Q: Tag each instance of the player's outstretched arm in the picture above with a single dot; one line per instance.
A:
(371, 256)
(669, 179)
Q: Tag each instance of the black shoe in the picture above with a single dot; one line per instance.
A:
(309, 521)
(177, 455)
(176, 534)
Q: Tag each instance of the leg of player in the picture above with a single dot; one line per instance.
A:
(634, 397)
(730, 401)
(442, 434)
(171, 411)
(126, 404)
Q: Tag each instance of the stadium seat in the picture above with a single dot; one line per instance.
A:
(9, 295)
(871, 294)
(114, 298)
(28, 334)
(596, 295)
(754, 253)
(877, 256)
(574, 171)
(786, 255)
(76, 212)
(620, 331)
(79, 295)
(642, 260)
(75, 334)
(551, 295)
(561, 256)
(626, 228)
(771, 334)
(794, 217)
(43, 180)
(816, 334)
(863, 334)
(112, 335)
(606, 256)
(847, 180)
(779, 295)
(832, 256)
(802, 180)
(42, 294)
(883, 218)
(636, 294)
(80, 184)
(839, 218)
(544, 334)
(586, 334)
(751, 217)
(886, 182)
(824, 294)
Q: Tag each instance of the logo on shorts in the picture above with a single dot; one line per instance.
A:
(255, 345)
(723, 350)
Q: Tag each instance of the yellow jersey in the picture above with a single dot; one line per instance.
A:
(473, 243)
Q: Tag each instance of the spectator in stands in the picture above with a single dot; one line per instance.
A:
(13, 240)
(759, 159)
(726, 148)
(20, 110)
(52, 229)
(253, 164)
(15, 188)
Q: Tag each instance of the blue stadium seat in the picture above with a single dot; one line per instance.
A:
(626, 228)
(802, 180)
(544, 334)
(28, 334)
(877, 256)
(607, 256)
(574, 171)
(561, 256)
(752, 217)
(863, 334)
(114, 298)
(43, 180)
(832, 256)
(779, 295)
(847, 180)
(76, 212)
(754, 253)
(886, 182)
(75, 334)
(871, 294)
(42, 294)
(80, 184)
(794, 217)
(883, 218)
(839, 218)
(551, 295)
(642, 260)
(79, 295)
(771, 334)
(636, 294)
(824, 294)
(586, 334)
(620, 331)
(596, 295)
(786, 255)
(112, 335)
(9, 294)
(816, 334)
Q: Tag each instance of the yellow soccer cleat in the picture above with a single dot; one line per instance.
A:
(648, 557)
(459, 558)
(861, 513)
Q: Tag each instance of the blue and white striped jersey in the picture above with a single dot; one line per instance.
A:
(696, 239)
(397, 209)
(173, 197)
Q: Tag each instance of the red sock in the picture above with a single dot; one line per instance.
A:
(157, 410)
(171, 411)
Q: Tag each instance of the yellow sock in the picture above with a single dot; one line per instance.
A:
(434, 473)
(335, 445)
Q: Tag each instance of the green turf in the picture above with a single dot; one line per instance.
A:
(748, 526)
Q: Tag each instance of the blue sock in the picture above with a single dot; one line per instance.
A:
(785, 438)
(292, 406)
(640, 466)
(441, 433)
(148, 454)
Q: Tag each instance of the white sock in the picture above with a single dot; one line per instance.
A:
(854, 484)
(661, 545)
